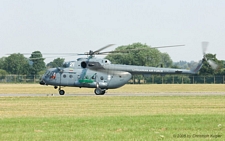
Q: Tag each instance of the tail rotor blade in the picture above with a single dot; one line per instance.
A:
(204, 47)
(212, 64)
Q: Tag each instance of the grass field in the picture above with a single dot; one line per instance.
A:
(113, 117)
(131, 88)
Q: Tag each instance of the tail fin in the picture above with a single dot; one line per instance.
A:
(199, 66)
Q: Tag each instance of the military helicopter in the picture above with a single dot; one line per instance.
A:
(101, 74)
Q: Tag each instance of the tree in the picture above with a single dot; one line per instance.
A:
(2, 60)
(207, 69)
(38, 62)
(139, 54)
(3, 72)
(16, 64)
(181, 65)
(222, 72)
(166, 60)
(58, 62)
(223, 62)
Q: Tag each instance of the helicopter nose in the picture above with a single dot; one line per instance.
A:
(42, 82)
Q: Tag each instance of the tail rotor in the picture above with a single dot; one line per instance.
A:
(211, 62)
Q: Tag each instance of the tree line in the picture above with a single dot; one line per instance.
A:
(139, 54)
(18, 64)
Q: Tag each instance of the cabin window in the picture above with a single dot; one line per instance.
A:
(94, 76)
(71, 76)
(109, 77)
(101, 77)
(64, 75)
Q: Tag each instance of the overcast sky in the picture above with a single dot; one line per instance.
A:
(79, 26)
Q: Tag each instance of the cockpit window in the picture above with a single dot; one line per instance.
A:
(66, 64)
(47, 73)
(69, 64)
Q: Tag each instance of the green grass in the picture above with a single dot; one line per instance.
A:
(112, 118)
(148, 127)
(129, 88)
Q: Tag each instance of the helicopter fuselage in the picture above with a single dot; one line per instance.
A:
(100, 74)
(92, 78)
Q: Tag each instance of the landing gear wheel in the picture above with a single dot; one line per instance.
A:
(61, 92)
(103, 92)
(99, 91)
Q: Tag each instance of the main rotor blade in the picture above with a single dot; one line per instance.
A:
(168, 46)
(35, 58)
(128, 50)
(149, 47)
(157, 47)
(115, 51)
(60, 56)
(97, 51)
(51, 53)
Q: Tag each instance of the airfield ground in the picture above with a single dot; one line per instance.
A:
(133, 112)
(127, 89)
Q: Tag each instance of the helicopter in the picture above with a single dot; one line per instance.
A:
(101, 74)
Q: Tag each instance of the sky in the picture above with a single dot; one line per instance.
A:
(77, 26)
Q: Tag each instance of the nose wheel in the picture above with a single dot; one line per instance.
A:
(61, 92)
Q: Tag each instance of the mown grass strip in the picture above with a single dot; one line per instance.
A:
(112, 118)
(146, 127)
(85, 106)
(129, 88)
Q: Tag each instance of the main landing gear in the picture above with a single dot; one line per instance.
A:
(99, 91)
(61, 92)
